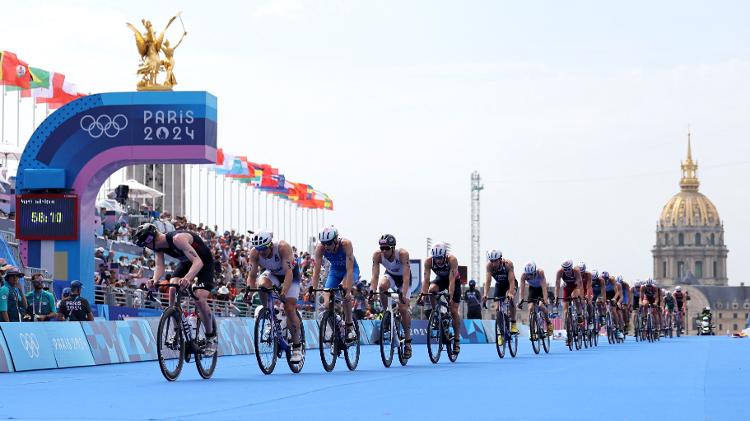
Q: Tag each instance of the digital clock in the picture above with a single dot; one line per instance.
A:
(47, 217)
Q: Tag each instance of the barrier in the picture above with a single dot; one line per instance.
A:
(70, 344)
(29, 346)
(32, 346)
(6, 364)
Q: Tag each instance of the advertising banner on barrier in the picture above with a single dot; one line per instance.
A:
(29, 346)
(418, 331)
(6, 365)
(312, 333)
(369, 331)
(70, 344)
(235, 335)
(102, 338)
(472, 332)
(135, 340)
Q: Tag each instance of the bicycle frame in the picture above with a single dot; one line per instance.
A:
(271, 298)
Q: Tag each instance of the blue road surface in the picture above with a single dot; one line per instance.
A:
(693, 378)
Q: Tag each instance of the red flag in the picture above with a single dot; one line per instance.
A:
(219, 156)
(14, 72)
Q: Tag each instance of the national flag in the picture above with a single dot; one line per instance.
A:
(60, 93)
(40, 82)
(14, 72)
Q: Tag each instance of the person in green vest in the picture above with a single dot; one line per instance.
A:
(12, 301)
(41, 303)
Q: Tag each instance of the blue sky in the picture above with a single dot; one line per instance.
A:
(575, 113)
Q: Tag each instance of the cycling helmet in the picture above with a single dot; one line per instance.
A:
(707, 308)
(678, 288)
(581, 266)
(530, 268)
(649, 282)
(262, 239)
(439, 250)
(619, 279)
(472, 283)
(493, 255)
(387, 240)
(605, 274)
(76, 285)
(144, 234)
(594, 274)
(328, 234)
(567, 264)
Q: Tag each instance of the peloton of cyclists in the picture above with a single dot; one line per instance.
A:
(501, 270)
(397, 276)
(445, 267)
(537, 289)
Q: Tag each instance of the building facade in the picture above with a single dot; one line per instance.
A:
(690, 245)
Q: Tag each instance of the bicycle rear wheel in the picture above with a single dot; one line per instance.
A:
(297, 367)
(510, 338)
(170, 344)
(386, 339)
(351, 349)
(649, 328)
(266, 346)
(569, 334)
(500, 336)
(401, 335)
(434, 337)
(328, 341)
(542, 328)
(534, 333)
(678, 325)
(205, 364)
(450, 346)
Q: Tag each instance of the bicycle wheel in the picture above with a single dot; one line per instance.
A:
(266, 346)
(450, 346)
(351, 349)
(569, 335)
(170, 344)
(434, 337)
(636, 327)
(500, 342)
(649, 328)
(671, 326)
(534, 333)
(678, 325)
(386, 339)
(205, 365)
(296, 367)
(542, 328)
(401, 336)
(328, 341)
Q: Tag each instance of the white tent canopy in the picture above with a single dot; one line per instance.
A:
(138, 191)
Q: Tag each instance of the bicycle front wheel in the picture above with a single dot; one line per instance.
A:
(266, 347)
(401, 345)
(500, 336)
(542, 323)
(386, 339)
(351, 349)
(205, 364)
(170, 344)
(534, 333)
(434, 337)
(328, 341)
(450, 347)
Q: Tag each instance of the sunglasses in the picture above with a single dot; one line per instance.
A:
(261, 248)
(384, 248)
(328, 243)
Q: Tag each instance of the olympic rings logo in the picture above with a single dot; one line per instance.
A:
(30, 344)
(103, 125)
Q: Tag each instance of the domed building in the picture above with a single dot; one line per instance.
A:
(690, 247)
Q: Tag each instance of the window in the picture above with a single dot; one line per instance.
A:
(712, 240)
(721, 327)
(699, 269)
(680, 270)
(697, 239)
(716, 275)
(681, 239)
(734, 316)
(719, 316)
(735, 327)
(664, 269)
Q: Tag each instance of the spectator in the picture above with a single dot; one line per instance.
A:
(473, 301)
(12, 301)
(65, 294)
(222, 293)
(41, 303)
(123, 233)
(76, 308)
(360, 301)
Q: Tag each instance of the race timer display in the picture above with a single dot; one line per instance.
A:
(47, 217)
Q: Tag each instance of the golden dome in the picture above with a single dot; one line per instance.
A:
(689, 208)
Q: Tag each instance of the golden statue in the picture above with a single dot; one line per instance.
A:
(149, 47)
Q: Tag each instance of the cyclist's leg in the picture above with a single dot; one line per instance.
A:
(454, 301)
(385, 282)
(405, 310)
(435, 287)
(201, 290)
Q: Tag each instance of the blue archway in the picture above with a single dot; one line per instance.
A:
(77, 147)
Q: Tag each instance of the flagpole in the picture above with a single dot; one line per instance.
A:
(199, 194)
(223, 208)
(171, 205)
(2, 119)
(18, 119)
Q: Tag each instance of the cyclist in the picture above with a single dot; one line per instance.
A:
(445, 267)
(669, 304)
(505, 283)
(650, 295)
(613, 293)
(537, 289)
(398, 277)
(571, 276)
(343, 271)
(195, 270)
(626, 298)
(279, 270)
(679, 299)
(597, 286)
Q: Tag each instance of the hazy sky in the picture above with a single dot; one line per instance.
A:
(574, 113)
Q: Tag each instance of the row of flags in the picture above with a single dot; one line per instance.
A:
(44, 86)
(268, 179)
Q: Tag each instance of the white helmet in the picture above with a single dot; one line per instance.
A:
(649, 282)
(581, 266)
(493, 255)
(439, 250)
(328, 234)
(262, 239)
(530, 268)
(567, 264)
(594, 274)
(678, 288)
(618, 279)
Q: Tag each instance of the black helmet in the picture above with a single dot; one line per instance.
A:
(387, 240)
(144, 234)
(472, 283)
